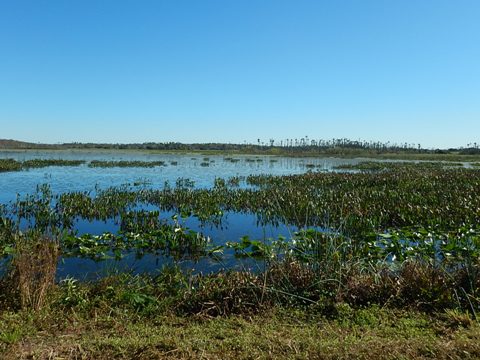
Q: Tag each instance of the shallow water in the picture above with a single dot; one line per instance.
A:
(84, 178)
(232, 228)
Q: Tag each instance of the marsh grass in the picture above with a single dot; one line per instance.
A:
(364, 239)
(14, 165)
(369, 245)
(34, 265)
(290, 310)
(40, 163)
(124, 163)
(9, 165)
(397, 165)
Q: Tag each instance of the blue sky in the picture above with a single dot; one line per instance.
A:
(229, 71)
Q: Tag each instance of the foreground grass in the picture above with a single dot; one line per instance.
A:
(284, 313)
(372, 333)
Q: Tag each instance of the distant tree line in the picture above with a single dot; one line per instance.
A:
(287, 145)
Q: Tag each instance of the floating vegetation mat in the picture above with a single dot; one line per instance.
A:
(109, 164)
(14, 165)
(386, 215)
(404, 236)
(390, 165)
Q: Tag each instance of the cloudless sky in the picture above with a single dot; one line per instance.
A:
(235, 70)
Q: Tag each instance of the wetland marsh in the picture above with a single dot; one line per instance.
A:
(137, 212)
(168, 234)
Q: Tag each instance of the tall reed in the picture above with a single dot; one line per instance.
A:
(34, 267)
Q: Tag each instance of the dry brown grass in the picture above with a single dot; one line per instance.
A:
(34, 268)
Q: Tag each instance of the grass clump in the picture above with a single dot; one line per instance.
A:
(34, 267)
(122, 163)
(9, 165)
(30, 274)
(40, 163)
(397, 165)
(14, 165)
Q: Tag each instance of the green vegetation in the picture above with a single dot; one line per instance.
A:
(109, 164)
(177, 316)
(385, 264)
(363, 207)
(368, 334)
(172, 240)
(305, 146)
(389, 165)
(9, 165)
(230, 159)
(40, 163)
(14, 165)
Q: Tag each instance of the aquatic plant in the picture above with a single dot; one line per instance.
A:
(40, 163)
(124, 163)
(357, 203)
(161, 238)
(234, 181)
(397, 165)
(185, 183)
(427, 214)
(14, 165)
(9, 165)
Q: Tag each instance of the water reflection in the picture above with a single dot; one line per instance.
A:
(84, 178)
(201, 169)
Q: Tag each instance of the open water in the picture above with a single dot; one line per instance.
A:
(191, 166)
